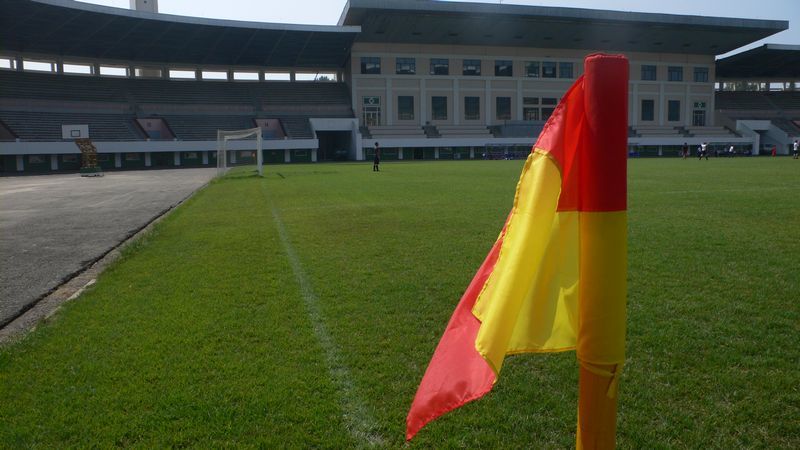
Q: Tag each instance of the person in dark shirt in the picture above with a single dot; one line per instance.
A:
(376, 162)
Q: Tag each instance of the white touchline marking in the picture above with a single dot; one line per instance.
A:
(359, 420)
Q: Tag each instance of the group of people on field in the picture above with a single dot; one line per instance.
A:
(702, 150)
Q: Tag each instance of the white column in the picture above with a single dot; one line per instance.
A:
(472, 153)
(423, 103)
(400, 153)
(53, 162)
(117, 160)
(354, 97)
(710, 109)
(687, 107)
(436, 153)
(205, 158)
(20, 163)
(233, 156)
(661, 106)
(634, 119)
(313, 155)
(389, 103)
(456, 103)
(287, 155)
(147, 161)
(176, 158)
(488, 103)
(519, 101)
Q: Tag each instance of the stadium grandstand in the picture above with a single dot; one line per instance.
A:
(426, 79)
(757, 95)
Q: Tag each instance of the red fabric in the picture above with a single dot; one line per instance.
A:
(587, 136)
(457, 373)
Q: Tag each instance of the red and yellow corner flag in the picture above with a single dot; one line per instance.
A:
(555, 279)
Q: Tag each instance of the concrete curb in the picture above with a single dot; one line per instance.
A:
(71, 289)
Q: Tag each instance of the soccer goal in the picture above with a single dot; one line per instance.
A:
(224, 145)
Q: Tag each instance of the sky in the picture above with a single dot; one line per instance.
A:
(326, 12)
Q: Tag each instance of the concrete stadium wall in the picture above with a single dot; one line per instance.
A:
(422, 86)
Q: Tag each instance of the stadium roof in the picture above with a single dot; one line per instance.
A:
(770, 61)
(79, 30)
(455, 23)
(74, 29)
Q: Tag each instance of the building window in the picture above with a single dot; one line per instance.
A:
(405, 66)
(648, 73)
(472, 67)
(371, 111)
(648, 110)
(674, 110)
(439, 108)
(699, 114)
(503, 108)
(530, 108)
(548, 69)
(405, 107)
(503, 68)
(370, 65)
(674, 73)
(440, 66)
(532, 69)
(472, 108)
(549, 101)
(701, 74)
(245, 76)
(565, 70)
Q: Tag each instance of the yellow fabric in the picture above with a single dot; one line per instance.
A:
(529, 302)
(604, 253)
(557, 277)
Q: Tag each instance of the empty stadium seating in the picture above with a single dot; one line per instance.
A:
(38, 126)
(405, 131)
(709, 131)
(468, 131)
(758, 100)
(297, 127)
(91, 88)
(656, 130)
(786, 100)
(727, 100)
(791, 127)
(35, 105)
(522, 128)
(204, 127)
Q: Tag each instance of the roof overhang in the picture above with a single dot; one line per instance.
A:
(768, 62)
(457, 23)
(73, 29)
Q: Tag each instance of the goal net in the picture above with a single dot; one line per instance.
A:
(226, 144)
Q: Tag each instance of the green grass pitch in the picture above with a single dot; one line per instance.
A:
(301, 309)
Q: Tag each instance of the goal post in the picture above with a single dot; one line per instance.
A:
(223, 145)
